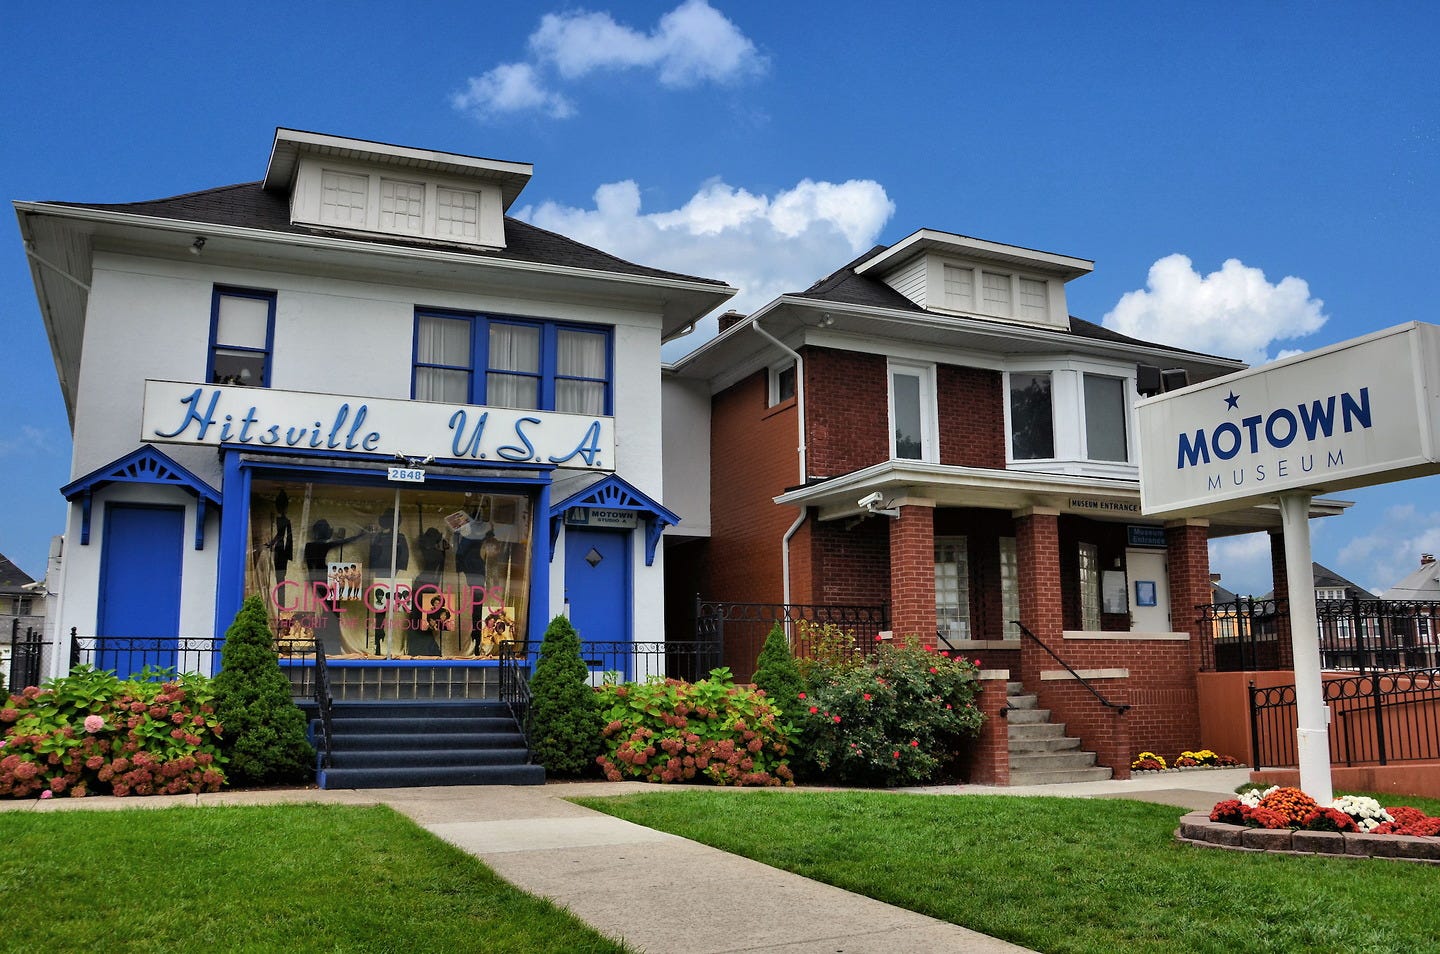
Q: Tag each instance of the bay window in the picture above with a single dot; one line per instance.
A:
(1032, 416)
(1105, 413)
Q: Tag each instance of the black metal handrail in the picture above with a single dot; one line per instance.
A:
(325, 703)
(515, 682)
(1120, 707)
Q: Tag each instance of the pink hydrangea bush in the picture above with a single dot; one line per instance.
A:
(92, 733)
(712, 730)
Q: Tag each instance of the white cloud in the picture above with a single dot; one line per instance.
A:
(763, 245)
(1391, 550)
(1232, 312)
(1243, 562)
(692, 44)
(510, 88)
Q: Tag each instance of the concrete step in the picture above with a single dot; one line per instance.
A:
(1027, 716)
(1023, 701)
(1058, 777)
(1030, 746)
(1014, 688)
(1051, 761)
(1037, 730)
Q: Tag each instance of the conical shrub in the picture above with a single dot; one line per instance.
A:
(564, 710)
(777, 672)
(264, 731)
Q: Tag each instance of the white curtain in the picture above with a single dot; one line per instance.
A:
(443, 341)
(513, 348)
(580, 354)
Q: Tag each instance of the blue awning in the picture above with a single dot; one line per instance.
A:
(144, 465)
(614, 492)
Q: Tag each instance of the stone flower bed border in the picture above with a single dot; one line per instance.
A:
(1196, 828)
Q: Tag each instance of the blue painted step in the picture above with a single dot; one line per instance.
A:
(406, 744)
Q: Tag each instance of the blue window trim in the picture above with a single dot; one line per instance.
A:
(256, 294)
(480, 368)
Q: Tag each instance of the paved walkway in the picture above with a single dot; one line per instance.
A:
(609, 872)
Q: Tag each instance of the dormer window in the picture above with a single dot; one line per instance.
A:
(402, 206)
(344, 199)
(457, 214)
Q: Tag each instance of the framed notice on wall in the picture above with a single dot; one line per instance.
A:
(1144, 592)
(1112, 591)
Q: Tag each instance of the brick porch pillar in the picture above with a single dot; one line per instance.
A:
(1187, 558)
(1037, 550)
(912, 570)
(1281, 576)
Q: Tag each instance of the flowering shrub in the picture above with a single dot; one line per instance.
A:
(1148, 762)
(91, 732)
(1231, 811)
(1291, 803)
(673, 731)
(1328, 819)
(1408, 821)
(898, 720)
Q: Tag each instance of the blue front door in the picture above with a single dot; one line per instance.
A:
(140, 564)
(597, 586)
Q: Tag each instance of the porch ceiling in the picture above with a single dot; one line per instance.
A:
(1100, 498)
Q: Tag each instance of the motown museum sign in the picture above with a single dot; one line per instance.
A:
(1358, 413)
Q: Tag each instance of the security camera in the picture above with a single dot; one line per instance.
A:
(870, 501)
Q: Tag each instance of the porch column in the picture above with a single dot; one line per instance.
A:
(1037, 550)
(1281, 578)
(912, 570)
(1187, 554)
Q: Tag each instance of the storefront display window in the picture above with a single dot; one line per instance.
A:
(376, 571)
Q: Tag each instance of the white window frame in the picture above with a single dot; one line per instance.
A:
(1009, 586)
(1089, 586)
(773, 397)
(958, 616)
(1126, 401)
(929, 428)
(1055, 422)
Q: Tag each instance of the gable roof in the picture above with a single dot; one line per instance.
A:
(1423, 584)
(12, 576)
(249, 205)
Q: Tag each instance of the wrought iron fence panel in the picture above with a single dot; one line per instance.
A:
(741, 628)
(1376, 718)
(129, 656)
(1360, 635)
(29, 653)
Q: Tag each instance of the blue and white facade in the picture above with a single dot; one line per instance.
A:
(415, 426)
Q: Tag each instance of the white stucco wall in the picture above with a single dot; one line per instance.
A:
(685, 426)
(150, 318)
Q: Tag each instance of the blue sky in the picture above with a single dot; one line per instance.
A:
(1249, 181)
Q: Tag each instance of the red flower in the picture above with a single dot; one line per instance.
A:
(933, 669)
(896, 754)
(915, 743)
(977, 664)
(814, 709)
(837, 718)
(867, 697)
(801, 696)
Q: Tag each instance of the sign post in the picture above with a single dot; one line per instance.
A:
(1312, 730)
(1362, 412)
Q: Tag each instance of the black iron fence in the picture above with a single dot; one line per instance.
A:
(1361, 635)
(129, 656)
(740, 628)
(28, 652)
(1376, 719)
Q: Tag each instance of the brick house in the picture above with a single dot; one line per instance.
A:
(929, 427)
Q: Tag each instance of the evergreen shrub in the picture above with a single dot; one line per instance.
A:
(264, 729)
(564, 711)
(778, 674)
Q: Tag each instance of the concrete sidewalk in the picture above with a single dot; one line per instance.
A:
(661, 893)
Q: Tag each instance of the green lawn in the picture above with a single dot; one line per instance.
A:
(282, 878)
(1061, 875)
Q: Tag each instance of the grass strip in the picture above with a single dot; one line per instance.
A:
(292, 877)
(1060, 874)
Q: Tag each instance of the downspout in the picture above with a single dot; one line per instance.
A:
(804, 469)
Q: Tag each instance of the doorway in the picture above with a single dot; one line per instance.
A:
(141, 560)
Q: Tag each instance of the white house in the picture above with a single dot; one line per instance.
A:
(413, 425)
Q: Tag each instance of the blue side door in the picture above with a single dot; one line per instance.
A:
(597, 586)
(140, 565)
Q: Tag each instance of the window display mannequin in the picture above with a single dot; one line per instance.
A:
(426, 627)
(282, 544)
(384, 541)
(474, 544)
(323, 539)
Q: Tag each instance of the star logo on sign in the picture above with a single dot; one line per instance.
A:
(1232, 402)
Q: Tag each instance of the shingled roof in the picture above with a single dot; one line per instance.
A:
(11, 576)
(844, 286)
(247, 205)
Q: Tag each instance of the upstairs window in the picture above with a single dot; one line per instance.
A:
(995, 298)
(782, 383)
(959, 288)
(457, 214)
(402, 206)
(1105, 415)
(505, 362)
(343, 198)
(242, 333)
(1002, 294)
(912, 412)
(1032, 416)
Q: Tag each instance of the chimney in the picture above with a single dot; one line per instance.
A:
(1214, 577)
(1426, 559)
(731, 318)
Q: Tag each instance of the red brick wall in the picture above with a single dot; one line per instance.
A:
(1188, 569)
(987, 760)
(1281, 575)
(972, 417)
(849, 566)
(847, 411)
(1037, 545)
(1164, 715)
(912, 573)
(753, 458)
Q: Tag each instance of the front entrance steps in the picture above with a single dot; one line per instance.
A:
(1040, 751)
(410, 744)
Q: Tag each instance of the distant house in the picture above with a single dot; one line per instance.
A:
(22, 610)
(1422, 585)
